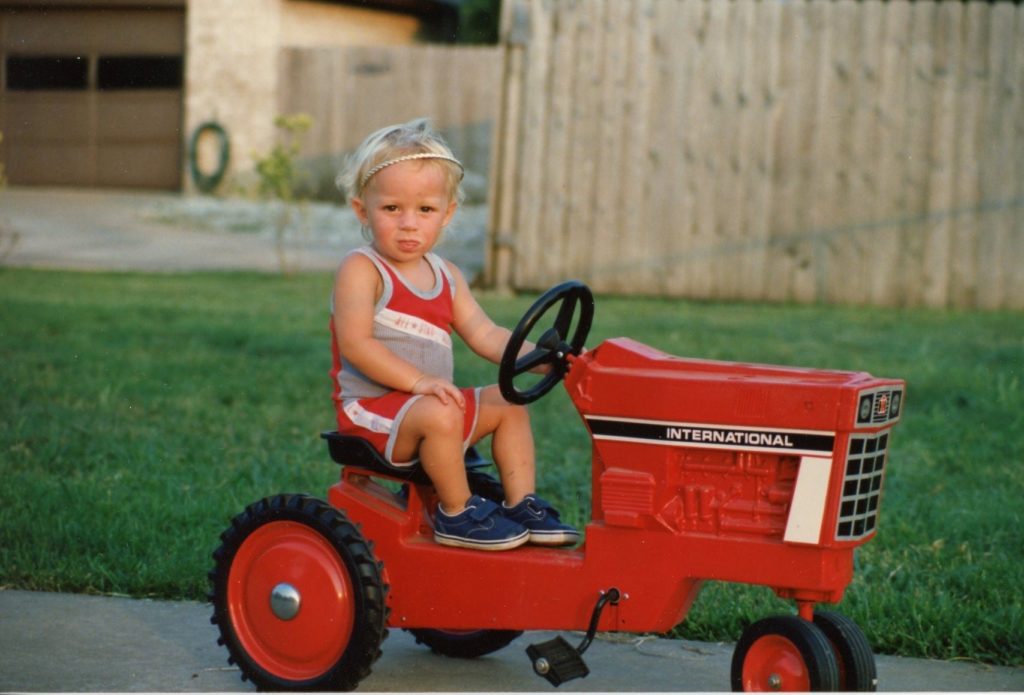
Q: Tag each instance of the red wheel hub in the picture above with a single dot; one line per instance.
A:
(290, 600)
(775, 663)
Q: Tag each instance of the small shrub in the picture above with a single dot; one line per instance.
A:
(281, 181)
(8, 240)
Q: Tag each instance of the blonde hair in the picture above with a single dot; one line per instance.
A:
(399, 143)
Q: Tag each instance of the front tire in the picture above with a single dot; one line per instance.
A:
(784, 653)
(298, 596)
(857, 671)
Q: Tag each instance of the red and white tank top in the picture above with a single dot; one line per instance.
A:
(414, 325)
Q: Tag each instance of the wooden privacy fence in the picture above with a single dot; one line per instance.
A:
(351, 92)
(813, 150)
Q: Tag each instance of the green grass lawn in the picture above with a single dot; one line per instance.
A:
(139, 413)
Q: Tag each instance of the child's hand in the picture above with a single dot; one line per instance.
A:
(445, 391)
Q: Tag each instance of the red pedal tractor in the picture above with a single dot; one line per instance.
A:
(701, 470)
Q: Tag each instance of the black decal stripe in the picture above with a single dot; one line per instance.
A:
(628, 430)
(703, 435)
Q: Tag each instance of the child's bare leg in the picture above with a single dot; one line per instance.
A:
(434, 432)
(511, 444)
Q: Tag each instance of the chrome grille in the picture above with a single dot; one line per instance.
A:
(862, 486)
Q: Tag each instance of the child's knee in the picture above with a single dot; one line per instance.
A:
(442, 419)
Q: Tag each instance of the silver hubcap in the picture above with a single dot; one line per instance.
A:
(285, 601)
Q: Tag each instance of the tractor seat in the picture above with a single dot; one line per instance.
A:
(347, 450)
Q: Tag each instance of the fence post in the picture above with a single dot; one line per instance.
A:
(513, 37)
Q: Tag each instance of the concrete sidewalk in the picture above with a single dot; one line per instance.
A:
(64, 642)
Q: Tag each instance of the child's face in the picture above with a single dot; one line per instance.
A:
(406, 205)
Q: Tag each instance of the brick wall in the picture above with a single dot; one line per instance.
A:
(231, 72)
(232, 57)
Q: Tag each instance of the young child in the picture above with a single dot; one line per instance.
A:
(394, 307)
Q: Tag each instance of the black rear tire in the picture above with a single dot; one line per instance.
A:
(470, 644)
(464, 645)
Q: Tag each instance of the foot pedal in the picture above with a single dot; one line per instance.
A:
(557, 660)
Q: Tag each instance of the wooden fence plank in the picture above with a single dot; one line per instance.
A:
(505, 151)
(886, 207)
(915, 166)
(611, 143)
(554, 224)
(972, 72)
(863, 151)
(723, 76)
(734, 239)
(808, 251)
(761, 94)
(730, 198)
(674, 178)
(996, 230)
(836, 218)
(782, 175)
(638, 243)
(822, 203)
(535, 165)
(582, 221)
(602, 249)
(941, 157)
(1015, 254)
(706, 119)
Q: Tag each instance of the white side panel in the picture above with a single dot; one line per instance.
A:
(809, 497)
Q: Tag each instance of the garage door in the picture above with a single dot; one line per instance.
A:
(92, 97)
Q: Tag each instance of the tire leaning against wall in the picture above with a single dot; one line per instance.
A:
(207, 182)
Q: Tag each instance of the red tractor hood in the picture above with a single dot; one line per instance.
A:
(622, 378)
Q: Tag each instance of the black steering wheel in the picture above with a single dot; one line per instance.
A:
(554, 345)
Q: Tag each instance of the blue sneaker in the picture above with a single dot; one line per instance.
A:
(481, 526)
(541, 520)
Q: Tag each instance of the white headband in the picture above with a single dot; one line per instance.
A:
(408, 157)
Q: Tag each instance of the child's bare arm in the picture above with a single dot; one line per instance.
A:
(475, 327)
(357, 288)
